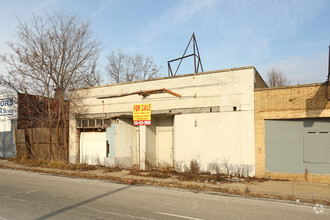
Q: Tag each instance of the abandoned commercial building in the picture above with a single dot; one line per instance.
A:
(207, 117)
(292, 130)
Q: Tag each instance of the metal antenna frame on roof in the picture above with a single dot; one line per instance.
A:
(195, 54)
(328, 79)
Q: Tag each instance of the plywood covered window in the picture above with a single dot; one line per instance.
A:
(317, 147)
(89, 123)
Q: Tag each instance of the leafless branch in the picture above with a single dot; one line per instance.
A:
(276, 78)
(123, 67)
(53, 54)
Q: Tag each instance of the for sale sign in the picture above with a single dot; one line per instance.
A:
(142, 114)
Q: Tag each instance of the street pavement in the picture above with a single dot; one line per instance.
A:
(26, 195)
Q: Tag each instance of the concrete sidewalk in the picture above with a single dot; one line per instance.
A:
(286, 190)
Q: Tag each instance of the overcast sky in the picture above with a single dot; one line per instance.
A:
(293, 36)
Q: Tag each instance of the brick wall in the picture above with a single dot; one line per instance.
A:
(293, 102)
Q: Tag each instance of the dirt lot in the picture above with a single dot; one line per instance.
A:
(296, 192)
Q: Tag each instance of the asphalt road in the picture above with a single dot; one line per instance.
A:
(26, 195)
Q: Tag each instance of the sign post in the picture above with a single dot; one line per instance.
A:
(141, 118)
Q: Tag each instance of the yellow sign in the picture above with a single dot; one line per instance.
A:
(142, 114)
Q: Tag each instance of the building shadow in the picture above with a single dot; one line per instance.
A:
(316, 104)
(80, 203)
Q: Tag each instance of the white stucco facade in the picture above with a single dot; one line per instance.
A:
(215, 138)
(212, 122)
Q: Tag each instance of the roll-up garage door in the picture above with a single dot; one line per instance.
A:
(93, 147)
(298, 146)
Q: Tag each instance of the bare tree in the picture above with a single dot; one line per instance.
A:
(53, 54)
(276, 78)
(123, 67)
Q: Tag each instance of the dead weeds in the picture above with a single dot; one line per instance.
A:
(158, 174)
(53, 164)
(66, 170)
(191, 173)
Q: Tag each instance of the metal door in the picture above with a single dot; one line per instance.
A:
(93, 147)
(164, 139)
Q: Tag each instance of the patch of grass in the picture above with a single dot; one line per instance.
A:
(112, 169)
(33, 162)
(80, 167)
(156, 174)
(135, 172)
(54, 164)
(166, 169)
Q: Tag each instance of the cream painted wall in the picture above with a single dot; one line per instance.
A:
(225, 134)
(212, 138)
(222, 88)
(124, 134)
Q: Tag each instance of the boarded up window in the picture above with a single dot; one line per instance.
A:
(98, 122)
(107, 122)
(84, 123)
(317, 147)
(91, 123)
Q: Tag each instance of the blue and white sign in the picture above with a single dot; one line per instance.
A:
(7, 106)
(8, 111)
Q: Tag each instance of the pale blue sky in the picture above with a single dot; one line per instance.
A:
(291, 35)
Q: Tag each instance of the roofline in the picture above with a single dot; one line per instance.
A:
(261, 77)
(292, 86)
(170, 77)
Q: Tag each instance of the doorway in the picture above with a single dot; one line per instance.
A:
(164, 145)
